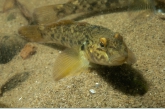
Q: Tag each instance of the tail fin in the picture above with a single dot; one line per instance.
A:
(141, 9)
(31, 33)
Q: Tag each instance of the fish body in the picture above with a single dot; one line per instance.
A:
(86, 44)
(78, 9)
(81, 8)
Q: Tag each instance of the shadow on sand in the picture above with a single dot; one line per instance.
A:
(124, 78)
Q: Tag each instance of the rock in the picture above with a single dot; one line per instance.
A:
(10, 45)
(27, 51)
(92, 91)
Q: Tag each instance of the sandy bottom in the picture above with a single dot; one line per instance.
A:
(141, 85)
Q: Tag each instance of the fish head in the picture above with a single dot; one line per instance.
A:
(109, 51)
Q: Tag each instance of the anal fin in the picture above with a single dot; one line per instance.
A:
(69, 62)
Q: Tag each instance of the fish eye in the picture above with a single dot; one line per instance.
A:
(103, 42)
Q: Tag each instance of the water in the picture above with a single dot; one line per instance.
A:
(141, 85)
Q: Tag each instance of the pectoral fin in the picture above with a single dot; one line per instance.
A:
(69, 62)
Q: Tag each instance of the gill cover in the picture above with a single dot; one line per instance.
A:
(109, 51)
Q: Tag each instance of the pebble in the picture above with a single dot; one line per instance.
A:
(164, 69)
(10, 45)
(92, 91)
(27, 51)
(97, 85)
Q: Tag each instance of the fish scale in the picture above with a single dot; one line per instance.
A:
(65, 35)
(81, 36)
(85, 44)
(71, 35)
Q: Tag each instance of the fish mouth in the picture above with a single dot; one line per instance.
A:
(105, 58)
(118, 60)
(115, 61)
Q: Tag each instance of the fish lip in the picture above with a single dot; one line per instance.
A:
(119, 60)
(115, 60)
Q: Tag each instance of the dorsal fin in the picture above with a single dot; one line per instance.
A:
(65, 22)
(62, 22)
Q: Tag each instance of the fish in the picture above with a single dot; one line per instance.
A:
(80, 9)
(85, 44)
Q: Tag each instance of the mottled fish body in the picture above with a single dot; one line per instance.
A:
(85, 44)
(67, 33)
(78, 9)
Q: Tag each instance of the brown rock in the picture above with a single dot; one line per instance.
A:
(27, 51)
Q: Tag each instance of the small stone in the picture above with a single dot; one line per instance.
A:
(92, 91)
(97, 85)
(164, 69)
(27, 51)
(20, 98)
(9, 4)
